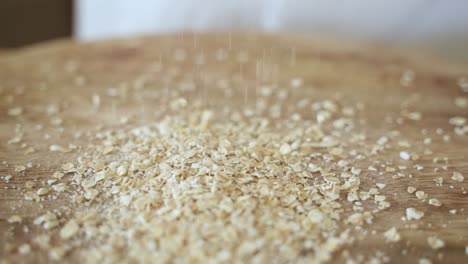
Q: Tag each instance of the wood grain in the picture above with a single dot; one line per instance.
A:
(37, 76)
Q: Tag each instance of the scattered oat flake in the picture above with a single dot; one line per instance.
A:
(57, 253)
(416, 116)
(392, 235)
(91, 194)
(435, 242)
(457, 176)
(31, 196)
(461, 102)
(356, 171)
(425, 261)
(42, 191)
(29, 150)
(51, 181)
(68, 166)
(15, 140)
(413, 214)
(15, 219)
(122, 170)
(58, 174)
(285, 149)
(47, 221)
(457, 121)
(96, 100)
(380, 185)
(30, 184)
(15, 111)
(178, 104)
(296, 82)
(59, 187)
(69, 229)
(435, 202)
(411, 189)
(405, 155)
(380, 198)
(24, 249)
(56, 121)
(58, 148)
(315, 216)
(421, 195)
(107, 150)
(439, 180)
(20, 168)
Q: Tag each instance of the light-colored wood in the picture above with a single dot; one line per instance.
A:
(37, 76)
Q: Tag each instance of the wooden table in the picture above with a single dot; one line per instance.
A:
(67, 74)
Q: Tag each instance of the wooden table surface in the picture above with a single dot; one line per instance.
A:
(66, 75)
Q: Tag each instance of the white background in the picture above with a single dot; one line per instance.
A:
(389, 20)
(376, 18)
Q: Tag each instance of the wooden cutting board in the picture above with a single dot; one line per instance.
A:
(54, 85)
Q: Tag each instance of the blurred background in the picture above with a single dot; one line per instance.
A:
(436, 26)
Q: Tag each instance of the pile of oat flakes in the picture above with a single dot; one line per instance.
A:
(241, 184)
